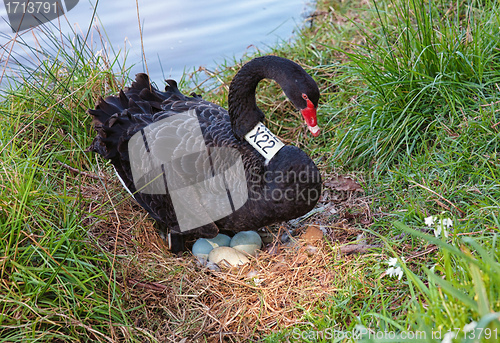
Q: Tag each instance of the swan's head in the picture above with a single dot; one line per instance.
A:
(304, 94)
(297, 84)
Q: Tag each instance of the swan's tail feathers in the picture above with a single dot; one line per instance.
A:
(117, 117)
(143, 90)
(97, 146)
(141, 82)
(111, 120)
(172, 87)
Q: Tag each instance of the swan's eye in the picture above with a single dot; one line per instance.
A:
(308, 102)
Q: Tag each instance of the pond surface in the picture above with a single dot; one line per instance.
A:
(179, 36)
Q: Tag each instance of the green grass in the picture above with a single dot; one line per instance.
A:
(424, 66)
(419, 118)
(56, 285)
(410, 104)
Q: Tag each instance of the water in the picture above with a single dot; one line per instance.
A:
(183, 35)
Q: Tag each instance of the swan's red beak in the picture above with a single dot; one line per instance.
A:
(309, 114)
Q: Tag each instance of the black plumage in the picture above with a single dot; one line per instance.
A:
(283, 188)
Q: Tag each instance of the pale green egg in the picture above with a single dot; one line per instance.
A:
(222, 240)
(247, 241)
(203, 246)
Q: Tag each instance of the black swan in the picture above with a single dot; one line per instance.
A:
(164, 145)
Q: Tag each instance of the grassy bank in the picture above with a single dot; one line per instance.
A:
(57, 284)
(410, 109)
(416, 114)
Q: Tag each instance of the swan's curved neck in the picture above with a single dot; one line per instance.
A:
(242, 107)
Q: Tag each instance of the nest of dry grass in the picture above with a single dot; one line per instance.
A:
(172, 298)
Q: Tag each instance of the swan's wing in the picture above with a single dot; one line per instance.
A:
(160, 145)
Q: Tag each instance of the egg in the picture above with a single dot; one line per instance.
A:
(224, 255)
(203, 246)
(222, 240)
(246, 241)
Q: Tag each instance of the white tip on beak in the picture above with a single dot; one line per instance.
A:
(314, 130)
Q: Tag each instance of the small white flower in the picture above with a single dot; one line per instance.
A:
(393, 261)
(429, 221)
(393, 272)
(446, 222)
(448, 337)
(469, 327)
(442, 225)
(437, 231)
(395, 269)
